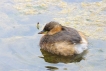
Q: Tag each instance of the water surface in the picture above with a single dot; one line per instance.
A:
(19, 39)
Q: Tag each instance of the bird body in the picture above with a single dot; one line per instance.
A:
(62, 40)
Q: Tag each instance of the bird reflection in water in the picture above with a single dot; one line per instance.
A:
(51, 68)
(52, 58)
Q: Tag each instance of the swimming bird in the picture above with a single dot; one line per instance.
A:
(62, 40)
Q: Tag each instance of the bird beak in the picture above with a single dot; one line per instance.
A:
(42, 32)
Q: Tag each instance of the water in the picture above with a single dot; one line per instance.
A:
(19, 39)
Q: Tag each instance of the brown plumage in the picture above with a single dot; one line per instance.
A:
(60, 40)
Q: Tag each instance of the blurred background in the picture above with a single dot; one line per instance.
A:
(19, 39)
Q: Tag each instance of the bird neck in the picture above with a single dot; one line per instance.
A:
(55, 30)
